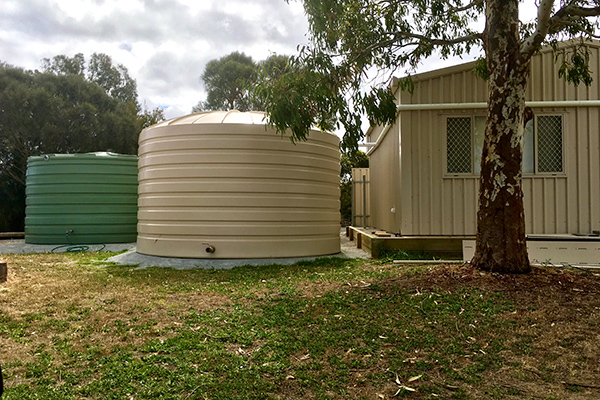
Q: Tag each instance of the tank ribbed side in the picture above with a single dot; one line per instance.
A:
(236, 190)
(81, 199)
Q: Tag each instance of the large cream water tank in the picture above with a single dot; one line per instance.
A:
(225, 185)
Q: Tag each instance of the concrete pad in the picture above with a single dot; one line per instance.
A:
(131, 257)
(18, 246)
(145, 261)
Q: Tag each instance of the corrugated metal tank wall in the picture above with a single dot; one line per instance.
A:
(81, 198)
(223, 185)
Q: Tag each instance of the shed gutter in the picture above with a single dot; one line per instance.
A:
(374, 146)
(475, 106)
(532, 104)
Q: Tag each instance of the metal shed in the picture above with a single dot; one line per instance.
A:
(424, 167)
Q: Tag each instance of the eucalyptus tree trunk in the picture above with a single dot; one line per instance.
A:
(501, 245)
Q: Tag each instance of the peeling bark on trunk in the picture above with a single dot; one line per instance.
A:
(501, 245)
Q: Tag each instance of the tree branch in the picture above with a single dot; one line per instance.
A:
(569, 15)
(543, 25)
(395, 37)
(566, 16)
(578, 11)
(437, 42)
(473, 4)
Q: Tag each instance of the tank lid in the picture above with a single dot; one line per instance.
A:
(218, 117)
(102, 154)
(233, 117)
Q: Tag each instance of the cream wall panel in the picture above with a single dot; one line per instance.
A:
(425, 177)
(582, 157)
(472, 191)
(561, 195)
(416, 177)
(384, 181)
(594, 173)
(408, 132)
(434, 204)
(447, 200)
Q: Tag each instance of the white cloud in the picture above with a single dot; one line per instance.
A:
(164, 44)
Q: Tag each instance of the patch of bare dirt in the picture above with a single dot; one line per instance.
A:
(553, 350)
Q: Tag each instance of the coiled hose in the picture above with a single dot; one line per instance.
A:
(74, 248)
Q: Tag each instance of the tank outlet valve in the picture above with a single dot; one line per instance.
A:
(209, 248)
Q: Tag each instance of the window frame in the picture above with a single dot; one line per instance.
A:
(536, 171)
(459, 175)
(474, 157)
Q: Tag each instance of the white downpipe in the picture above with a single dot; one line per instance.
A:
(474, 106)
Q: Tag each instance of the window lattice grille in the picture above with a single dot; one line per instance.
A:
(458, 131)
(550, 143)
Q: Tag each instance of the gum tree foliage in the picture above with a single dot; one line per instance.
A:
(65, 65)
(61, 110)
(149, 117)
(350, 39)
(114, 79)
(229, 80)
(272, 68)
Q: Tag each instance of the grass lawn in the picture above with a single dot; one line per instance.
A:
(76, 327)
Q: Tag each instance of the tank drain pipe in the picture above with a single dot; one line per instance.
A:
(209, 248)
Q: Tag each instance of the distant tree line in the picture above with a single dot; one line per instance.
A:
(229, 81)
(70, 106)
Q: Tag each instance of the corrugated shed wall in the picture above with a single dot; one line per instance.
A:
(434, 203)
(384, 165)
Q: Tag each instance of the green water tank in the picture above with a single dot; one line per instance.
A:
(81, 199)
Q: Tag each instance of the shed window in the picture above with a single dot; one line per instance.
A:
(549, 143)
(542, 144)
(459, 151)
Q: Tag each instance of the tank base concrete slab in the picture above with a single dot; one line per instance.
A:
(18, 246)
(145, 261)
(348, 250)
(131, 257)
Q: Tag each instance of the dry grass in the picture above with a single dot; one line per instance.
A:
(90, 302)
(540, 343)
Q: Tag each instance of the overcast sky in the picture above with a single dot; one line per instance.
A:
(165, 44)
